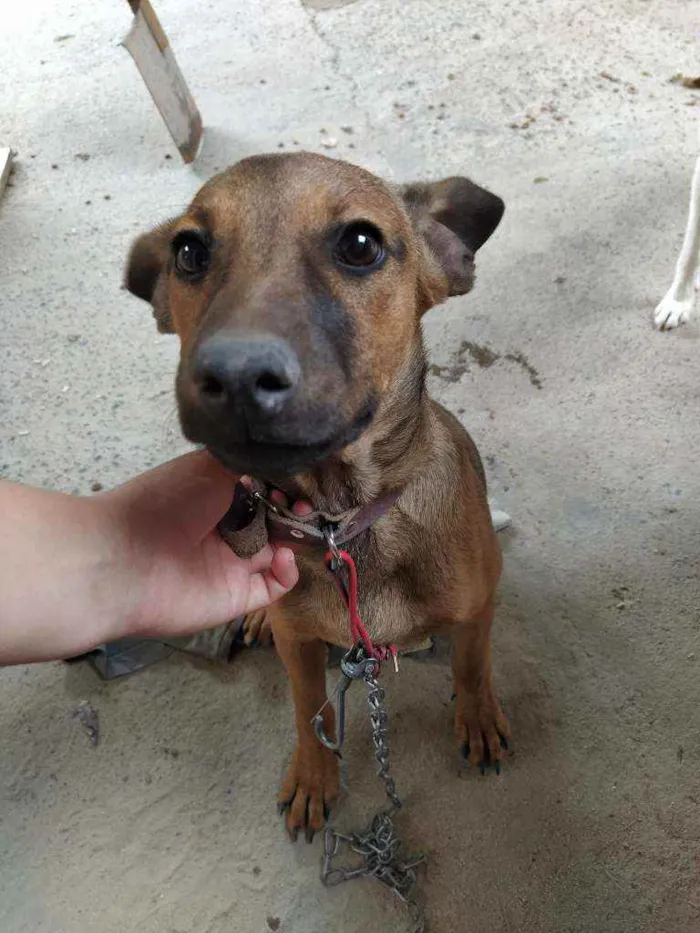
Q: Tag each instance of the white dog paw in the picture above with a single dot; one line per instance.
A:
(671, 313)
(500, 519)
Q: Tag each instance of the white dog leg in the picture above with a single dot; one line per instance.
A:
(676, 306)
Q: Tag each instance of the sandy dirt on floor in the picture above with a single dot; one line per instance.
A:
(588, 422)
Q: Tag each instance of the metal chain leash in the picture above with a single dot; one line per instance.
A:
(378, 846)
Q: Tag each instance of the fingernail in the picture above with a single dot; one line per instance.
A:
(286, 556)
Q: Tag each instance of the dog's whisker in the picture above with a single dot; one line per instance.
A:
(170, 425)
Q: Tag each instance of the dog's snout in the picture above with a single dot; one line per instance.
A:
(259, 373)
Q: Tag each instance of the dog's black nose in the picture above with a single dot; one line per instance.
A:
(258, 372)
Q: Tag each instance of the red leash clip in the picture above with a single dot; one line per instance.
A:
(349, 594)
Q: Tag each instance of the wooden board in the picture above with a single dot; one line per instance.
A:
(148, 46)
(6, 155)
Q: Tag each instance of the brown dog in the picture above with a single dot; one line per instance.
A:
(296, 284)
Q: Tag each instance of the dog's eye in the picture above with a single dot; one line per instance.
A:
(360, 246)
(191, 255)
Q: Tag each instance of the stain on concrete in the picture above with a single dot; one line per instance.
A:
(447, 373)
(480, 353)
(523, 361)
(484, 357)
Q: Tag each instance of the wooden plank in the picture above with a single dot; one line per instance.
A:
(148, 45)
(6, 156)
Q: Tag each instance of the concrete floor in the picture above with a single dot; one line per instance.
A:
(168, 826)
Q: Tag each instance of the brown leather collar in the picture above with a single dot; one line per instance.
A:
(253, 520)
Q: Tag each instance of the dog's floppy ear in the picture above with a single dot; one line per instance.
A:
(455, 217)
(146, 270)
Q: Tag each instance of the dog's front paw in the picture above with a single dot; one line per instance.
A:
(257, 631)
(482, 731)
(309, 790)
(670, 312)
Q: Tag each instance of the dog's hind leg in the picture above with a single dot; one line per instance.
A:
(676, 306)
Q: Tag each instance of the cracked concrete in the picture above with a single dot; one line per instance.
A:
(312, 8)
(566, 110)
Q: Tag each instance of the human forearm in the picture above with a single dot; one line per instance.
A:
(62, 589)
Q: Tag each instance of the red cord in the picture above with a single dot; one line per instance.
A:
(350, 597)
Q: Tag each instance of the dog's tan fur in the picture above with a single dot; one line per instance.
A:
(432, 563)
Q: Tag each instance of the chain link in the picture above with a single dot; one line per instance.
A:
(378, 846)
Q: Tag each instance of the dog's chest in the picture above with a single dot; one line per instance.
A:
(388, 614)
(394, 603)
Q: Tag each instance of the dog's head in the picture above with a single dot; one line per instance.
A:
(296, 284)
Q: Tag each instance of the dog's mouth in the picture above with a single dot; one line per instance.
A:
(270, 459)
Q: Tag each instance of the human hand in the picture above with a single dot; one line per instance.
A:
(181, 576)
(143, 560)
